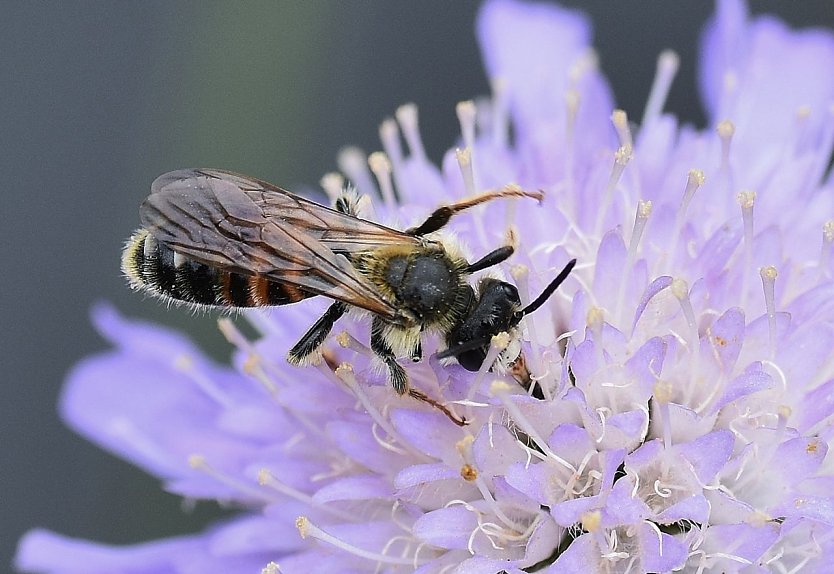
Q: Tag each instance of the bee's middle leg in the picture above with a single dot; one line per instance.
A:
(417, 352)
(381, 348)
(316, 335)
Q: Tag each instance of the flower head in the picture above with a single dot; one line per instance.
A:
(678, 394)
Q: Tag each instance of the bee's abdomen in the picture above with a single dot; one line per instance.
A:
(152, 266)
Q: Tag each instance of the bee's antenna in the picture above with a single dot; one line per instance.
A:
(548, 291)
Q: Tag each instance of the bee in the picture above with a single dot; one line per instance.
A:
(218, 239)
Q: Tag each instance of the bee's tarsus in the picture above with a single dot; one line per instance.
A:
(420, 396)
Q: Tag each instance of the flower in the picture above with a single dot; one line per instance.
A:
(681, 394)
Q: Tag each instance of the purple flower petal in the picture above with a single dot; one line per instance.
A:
(726, 336)
(816, 406)
(533, 48)
(581, 557)
(428, 431)
(749, 542)
(763, 57)
(708, 454)
(653, 289)
(743, 385)
(357, 487)
(694, 508)
(660, 552)
(623, 508)
(447, 527)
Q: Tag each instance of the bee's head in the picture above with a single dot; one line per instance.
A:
(493, 312)
(496, 310)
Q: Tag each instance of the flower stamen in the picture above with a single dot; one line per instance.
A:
(768, 274)
(620, 120)
(345, 374)
(199, 462)
(467, 113)
(500, 389)
(382, 169)
(332, 183)
(825, 252)
(668, 63)
(307, 529)
(621, 158)
(407, 117)
(353, 162)
(499, 116)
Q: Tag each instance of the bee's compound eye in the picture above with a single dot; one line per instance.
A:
(511, 292)
(472, 360)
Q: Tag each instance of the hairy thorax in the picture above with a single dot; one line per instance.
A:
(426, 281)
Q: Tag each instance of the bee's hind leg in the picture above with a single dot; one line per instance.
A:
(441, 216)
(316, 335)
(398, 376)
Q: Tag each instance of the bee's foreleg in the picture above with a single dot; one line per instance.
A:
(313, 338)
(381, 348)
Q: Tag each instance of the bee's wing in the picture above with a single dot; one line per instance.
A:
(338, 231)
(215, 220)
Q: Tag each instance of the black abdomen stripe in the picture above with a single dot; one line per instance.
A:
(154, 267)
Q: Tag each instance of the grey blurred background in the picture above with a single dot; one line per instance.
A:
(100, 98)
